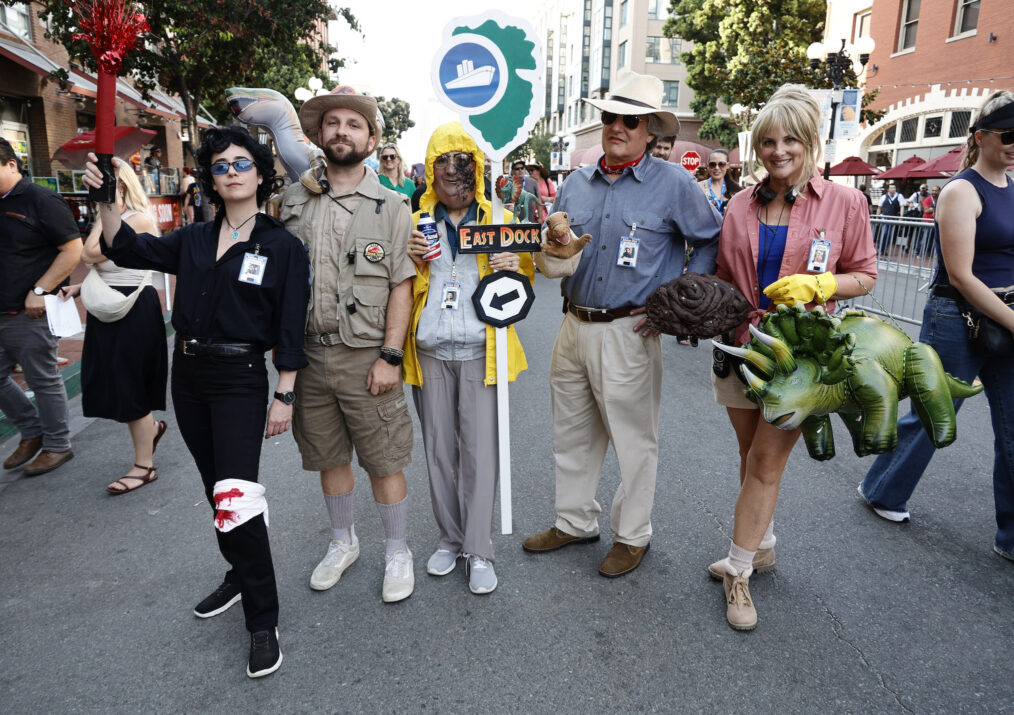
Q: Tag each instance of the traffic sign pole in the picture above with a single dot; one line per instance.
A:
(503, 421)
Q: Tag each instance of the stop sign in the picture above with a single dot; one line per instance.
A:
(690, 161)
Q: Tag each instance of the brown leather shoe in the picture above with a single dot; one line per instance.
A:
(621, 559)
(25, 451)
(552, 539)
(47, 461)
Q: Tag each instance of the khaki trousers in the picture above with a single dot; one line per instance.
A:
(606, 384)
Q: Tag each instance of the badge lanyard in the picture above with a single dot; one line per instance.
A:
(254, 265)
(450, 295)
(626, 257)
(820, 254)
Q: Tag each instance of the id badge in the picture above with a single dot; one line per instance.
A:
(820, 254)
(252, 270)
(450, 296)
(627, 256)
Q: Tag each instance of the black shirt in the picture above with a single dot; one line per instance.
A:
(211, 301)
(34, 222)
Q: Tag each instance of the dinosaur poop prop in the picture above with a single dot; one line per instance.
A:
(696, 304)
(801, 366)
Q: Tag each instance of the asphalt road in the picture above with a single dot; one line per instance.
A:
(860, 615)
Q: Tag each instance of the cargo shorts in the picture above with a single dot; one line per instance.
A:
(335, 414)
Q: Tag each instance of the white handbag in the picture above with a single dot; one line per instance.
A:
(105, 303)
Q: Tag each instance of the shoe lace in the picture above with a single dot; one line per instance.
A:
(477, 562)
(335, 551)
(739, 593)
(260, 640)
(399, 564)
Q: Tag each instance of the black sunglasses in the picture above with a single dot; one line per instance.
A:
(386, 157)
(630, 121)
(461, 160)
(220, 168)
(717, 165)
(1006, 136)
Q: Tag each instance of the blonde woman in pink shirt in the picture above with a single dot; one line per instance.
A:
(794, 237)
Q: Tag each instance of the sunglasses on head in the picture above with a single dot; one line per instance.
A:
(717, 164)
(630, 121)
(388, 157)
(1006, 135)
(460, 159)
(222, 167)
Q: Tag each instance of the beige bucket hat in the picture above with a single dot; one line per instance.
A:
(635, 93)
(346, 97)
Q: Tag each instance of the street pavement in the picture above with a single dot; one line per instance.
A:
(860, 616)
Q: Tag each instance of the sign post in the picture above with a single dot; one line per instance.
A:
(489, 70)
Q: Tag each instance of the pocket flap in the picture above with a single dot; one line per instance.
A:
(370, 294)
(390, 409)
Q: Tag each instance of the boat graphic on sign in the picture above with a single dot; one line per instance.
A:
(470, 76)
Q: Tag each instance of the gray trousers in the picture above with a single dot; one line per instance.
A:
(29, 343)
(457, 413)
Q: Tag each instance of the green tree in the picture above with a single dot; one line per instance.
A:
(396, 117)
(294, 71)
(198, 48)
(537, 146)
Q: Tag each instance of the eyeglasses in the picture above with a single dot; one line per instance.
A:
(1006, 136)
(388, 157)
(717, 164)
(222, 167)
(461, 160)
(630, 121)
(519, 167)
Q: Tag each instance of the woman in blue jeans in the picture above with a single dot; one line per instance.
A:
(975, 233)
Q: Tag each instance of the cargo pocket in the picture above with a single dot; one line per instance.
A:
(396, 426)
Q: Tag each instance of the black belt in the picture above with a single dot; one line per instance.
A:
(596, 315)
(211, 346)
(328, 340)
(949, 291)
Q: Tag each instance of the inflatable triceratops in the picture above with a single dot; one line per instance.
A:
(803, 365)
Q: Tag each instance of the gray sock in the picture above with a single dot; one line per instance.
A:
(395, 520)
(741, 559)
(340, 507)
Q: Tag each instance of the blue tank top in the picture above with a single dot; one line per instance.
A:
(993, 263)
(770, 250)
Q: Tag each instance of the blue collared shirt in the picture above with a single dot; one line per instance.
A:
(440, 215)
(670, 211)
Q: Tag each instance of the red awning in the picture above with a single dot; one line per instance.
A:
(854, 166)
(936, 168)
(904, 169)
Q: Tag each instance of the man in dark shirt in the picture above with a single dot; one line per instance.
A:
(39, 247)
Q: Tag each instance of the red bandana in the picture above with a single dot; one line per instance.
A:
(618, 169)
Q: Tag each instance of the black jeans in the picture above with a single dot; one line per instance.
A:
(221, 408)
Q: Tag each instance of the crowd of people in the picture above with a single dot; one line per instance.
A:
(354, 300)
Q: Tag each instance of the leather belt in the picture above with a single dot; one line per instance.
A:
(328, 340)
(596, 315)
(209, 346)
(949, 291)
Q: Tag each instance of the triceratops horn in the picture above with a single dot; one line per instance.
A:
(783, 356)
(759, 360)
(756, 384)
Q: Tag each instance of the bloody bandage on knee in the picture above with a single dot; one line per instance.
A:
(237, 501)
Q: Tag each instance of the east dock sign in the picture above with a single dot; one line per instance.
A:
(500, 238)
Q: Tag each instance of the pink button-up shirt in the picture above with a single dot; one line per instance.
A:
(840, 211)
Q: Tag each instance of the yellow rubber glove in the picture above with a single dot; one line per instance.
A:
(802, 288)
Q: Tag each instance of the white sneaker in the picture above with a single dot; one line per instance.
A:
(340, 555)
(899, 517)
(442, 562)
(481, 576)
(399, 579)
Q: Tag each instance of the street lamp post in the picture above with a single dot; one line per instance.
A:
(559, 145)
(836, 67)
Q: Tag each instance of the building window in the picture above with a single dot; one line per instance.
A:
(909, 128)
(653, 9)
(959, 124)
(621, 55)
(663, 50)
(861, 25)
(85, 122)
(909, 24)
(18, 19)
(623, 12)
(967, 17)
(670, 93)
(933, 127)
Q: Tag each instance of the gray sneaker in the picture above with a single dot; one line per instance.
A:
(442, 562)
(481, 576)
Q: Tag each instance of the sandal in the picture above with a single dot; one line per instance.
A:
(147, 478)
(160, 428)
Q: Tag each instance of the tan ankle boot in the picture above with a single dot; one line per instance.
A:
(740, 612)
(763, 561)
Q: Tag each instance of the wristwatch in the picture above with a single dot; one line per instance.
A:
(287, 398)
(38, 290)
(390, 358)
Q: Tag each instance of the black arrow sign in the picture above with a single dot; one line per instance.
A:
(497, 302)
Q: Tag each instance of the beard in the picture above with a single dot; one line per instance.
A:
(349, 156)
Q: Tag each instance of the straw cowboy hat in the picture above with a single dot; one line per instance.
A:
(344, 97)
(639, 94)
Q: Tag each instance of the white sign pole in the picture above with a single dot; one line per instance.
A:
(503, 404)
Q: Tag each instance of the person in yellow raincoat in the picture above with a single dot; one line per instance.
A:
(450, 359)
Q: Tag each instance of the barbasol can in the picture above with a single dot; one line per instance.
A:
(428, 227)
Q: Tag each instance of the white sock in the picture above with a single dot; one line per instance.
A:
(741, 559)
(340, 510)
(394, 517)
(768, 542)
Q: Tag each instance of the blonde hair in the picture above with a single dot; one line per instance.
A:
(999, 98)
(401, 162)
(795, 111)
(134, 198)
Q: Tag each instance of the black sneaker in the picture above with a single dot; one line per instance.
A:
(224, 597)
(265, 655)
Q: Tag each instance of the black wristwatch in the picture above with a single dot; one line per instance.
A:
(287, 398)
(390, 358)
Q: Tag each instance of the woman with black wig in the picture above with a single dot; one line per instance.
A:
(242, 285)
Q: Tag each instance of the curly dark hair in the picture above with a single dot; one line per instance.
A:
(216, 141)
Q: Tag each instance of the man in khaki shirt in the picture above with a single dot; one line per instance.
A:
(350, 397)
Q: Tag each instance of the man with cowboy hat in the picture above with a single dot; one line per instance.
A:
(637, 214)
(350, 396)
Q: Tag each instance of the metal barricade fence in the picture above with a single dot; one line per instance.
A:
(906, 261)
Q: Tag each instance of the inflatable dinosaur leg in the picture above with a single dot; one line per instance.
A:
(854, 422)
(877, 395)
(819, 437)
(932, 390)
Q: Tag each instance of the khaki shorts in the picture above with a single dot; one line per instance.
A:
(729, 392)
(335, 413)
